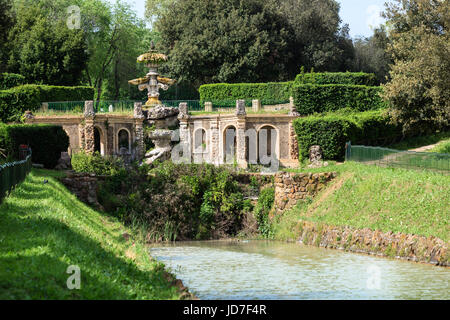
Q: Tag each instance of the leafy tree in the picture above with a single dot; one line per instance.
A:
(43, 48)
(371, 55)
(419, 90)
(224, 41)
(319, 41)
(6, 23)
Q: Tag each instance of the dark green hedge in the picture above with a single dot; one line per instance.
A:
(15, 101)
(268, 93)
(46, 141)
(10, 80)
(332, 131)
(312, 98)
(354, 78)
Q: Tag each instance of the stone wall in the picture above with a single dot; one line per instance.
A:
(291, 187)
(387, 244)
(84, 186)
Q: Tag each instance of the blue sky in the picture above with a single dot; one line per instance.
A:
(359, 14)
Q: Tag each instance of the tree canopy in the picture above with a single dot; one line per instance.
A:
(251, 41)
(419, 90)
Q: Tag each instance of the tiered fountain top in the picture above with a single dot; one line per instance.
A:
(152, 81)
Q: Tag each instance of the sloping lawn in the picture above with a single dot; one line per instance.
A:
(44, 229)
(367, 196)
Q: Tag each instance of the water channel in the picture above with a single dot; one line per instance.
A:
(252, 270)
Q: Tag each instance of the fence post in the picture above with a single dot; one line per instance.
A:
(348, 150)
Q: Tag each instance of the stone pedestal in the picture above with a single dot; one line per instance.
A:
(241, 142)
(256, 105)
(208, 107)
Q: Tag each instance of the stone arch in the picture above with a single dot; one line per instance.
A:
(200, 140)
(99, 140)
(123, 140)
(272, 143)
(229, 140)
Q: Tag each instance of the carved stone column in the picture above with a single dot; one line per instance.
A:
(89, 136)
(293, 143)
(240, 134)
(215, 142)
(139, 125)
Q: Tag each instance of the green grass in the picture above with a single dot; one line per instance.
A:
(442, 147)
(366, 196)
(44, 229)
(417, 142)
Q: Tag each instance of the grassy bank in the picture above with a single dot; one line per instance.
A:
(44, 229)
(364, 196)
(421, 141)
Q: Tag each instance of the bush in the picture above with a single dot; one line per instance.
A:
(95, 163)
(10, 80)
(262, 209)
(332, 131)
(182, 201)
(46, 141)
(348, 78)
(268, 93)
(312, 98)
(15, 101)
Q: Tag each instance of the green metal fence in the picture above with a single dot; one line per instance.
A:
(13, 173)
(398, 159)
(127, 106)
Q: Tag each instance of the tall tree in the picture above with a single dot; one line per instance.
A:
(371, 54)
(224, 41)
(319, 41)
(6, 23)
(419, 90)
(43, 48)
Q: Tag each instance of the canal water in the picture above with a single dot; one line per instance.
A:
(269, 270)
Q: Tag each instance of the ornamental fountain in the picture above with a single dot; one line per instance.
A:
(157, 115)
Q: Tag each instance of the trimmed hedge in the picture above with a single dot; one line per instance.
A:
(312, 98)
(10, 80)
(268, 93)
(352, 78)
(332, 131)
(46, 141)
(15, 101)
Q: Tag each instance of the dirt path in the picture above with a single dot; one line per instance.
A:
(424, 148)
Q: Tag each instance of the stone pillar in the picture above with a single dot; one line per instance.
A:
(293, 143)
(44, 106)
(256, 105)
(208, 107)
(139, 128)
(240, 108)
(89, 109)
(241, 142)
(215, 142)
(292, 109)
(89, 137)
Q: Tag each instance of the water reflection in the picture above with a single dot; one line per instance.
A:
(278, 270)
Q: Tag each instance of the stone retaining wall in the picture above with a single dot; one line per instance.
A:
(291, 187)
(84, 186)
(388, 244)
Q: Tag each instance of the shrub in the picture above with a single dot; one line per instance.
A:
(348, 78)
(189, 200)
(46, 141)
(262, 209)
(312, 98)
(15, 101)
(95, 163)
(268, 93)
(10, 80)
(332, 131)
